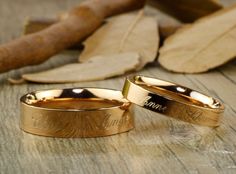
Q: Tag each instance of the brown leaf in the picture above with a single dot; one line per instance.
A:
(206, 44)
(16, 81)
(167, 25)
(125, 33)
(167, 28)
(33, 25)
(98, 68)
(187, 10)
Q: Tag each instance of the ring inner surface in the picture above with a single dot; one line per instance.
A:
(75, 99)
(79, 104)
(177, 92)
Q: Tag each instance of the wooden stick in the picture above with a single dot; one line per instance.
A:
(81, 21)
(32, 25)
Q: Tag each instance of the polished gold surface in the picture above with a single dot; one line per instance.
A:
(173, 100)
(76, 112)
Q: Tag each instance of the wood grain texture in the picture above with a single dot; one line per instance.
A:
(157, 144)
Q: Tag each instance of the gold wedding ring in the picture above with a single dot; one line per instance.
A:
(76, 112)
(173, 100)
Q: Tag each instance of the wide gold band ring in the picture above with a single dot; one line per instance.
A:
(76, 112)
(173, 100)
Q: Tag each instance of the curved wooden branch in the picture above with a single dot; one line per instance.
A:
(81, 21)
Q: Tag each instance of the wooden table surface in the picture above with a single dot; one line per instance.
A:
(157, 145)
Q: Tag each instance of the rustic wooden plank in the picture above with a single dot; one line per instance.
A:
(157, 145)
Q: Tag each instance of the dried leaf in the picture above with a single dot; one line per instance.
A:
(125, 33)
(168, 27)
(206, 44)
(33, 25)
(187, 10)
(16, 81)
(98, 68)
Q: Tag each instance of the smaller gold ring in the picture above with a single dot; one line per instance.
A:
(173, 100)
(76, 112)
